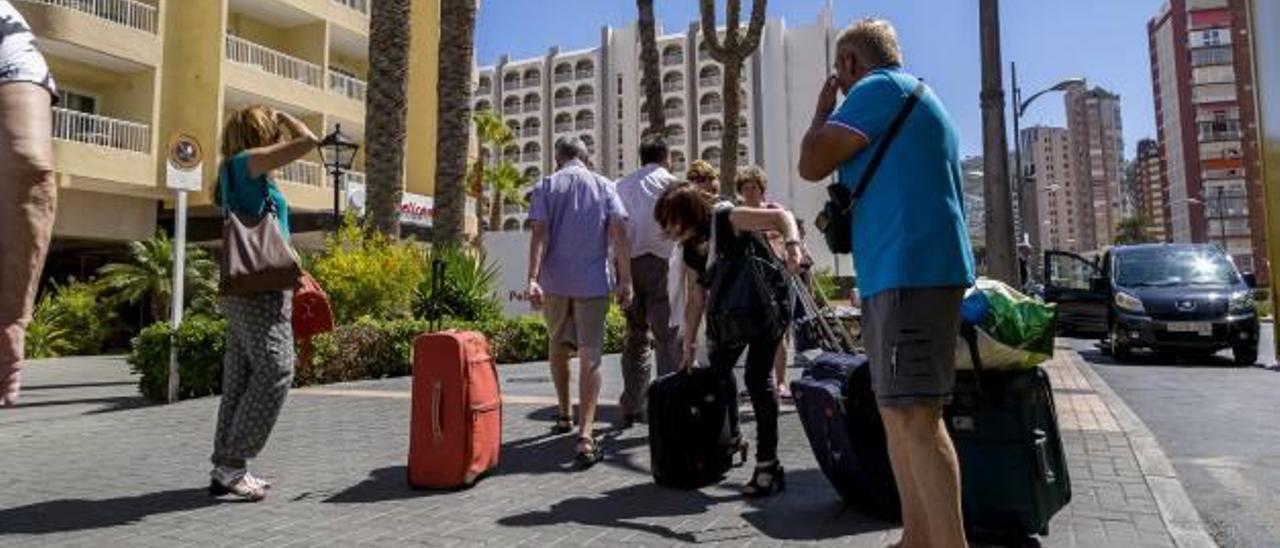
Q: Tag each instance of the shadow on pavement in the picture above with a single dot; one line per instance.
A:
(1156, 359)
(27, 388)
(109, 404)
(624, 508)
(82, 514)
(805, 517)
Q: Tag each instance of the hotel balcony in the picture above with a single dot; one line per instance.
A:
(124, 29)
(346, 86)
(102, 148)
(712, 135)
(564, 102)
(288, 79)
(360, 6)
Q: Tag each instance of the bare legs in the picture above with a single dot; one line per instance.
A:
(928, 476)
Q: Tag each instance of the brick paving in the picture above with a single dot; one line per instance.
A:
(87, 464)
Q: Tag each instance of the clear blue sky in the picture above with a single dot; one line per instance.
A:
(1104, 41)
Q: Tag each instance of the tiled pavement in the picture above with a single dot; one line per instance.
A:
(85, 464)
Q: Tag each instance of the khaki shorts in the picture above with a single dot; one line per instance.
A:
(910, 336)
(575, 323)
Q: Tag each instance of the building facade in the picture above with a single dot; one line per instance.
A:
(1150, 193)
(1050, 166)
(131, 73)
(1202, 74)
(596, 94)
(1097, 157)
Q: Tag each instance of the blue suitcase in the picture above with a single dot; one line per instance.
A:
(839, 415)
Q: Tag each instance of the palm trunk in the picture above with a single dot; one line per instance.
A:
(652, 79)
(495, 209)
(387, 104)
(729, 140)
(457, 52)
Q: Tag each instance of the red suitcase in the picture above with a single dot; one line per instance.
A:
(455, 430)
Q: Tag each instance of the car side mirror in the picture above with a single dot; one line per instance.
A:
(1100, 285)
(1251, 280)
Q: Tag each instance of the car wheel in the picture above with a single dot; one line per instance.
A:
(1245, 355)
(1119, 351)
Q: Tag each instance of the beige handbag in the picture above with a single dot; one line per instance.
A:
(256, 257)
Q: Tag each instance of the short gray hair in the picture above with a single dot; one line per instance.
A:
(873, 42)
(571, 148)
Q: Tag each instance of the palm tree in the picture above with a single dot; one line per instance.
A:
(506, 183)
(731, 53)
(1133, 230)
(457, 53)
(492, 135)
(386, 106)
(652, 80)
(148, 277)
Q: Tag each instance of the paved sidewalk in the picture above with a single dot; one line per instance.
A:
(86, 465)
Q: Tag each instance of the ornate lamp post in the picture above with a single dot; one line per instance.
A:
(337, 151)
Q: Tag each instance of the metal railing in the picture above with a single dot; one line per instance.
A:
(564, 102)
(712, 135)
(713, 108)
(674, 113)
(304, 173)
(672, 60)
(69, 125)
(562, 77)
(352, 177)
(677, 139)
(563, 128)
(511, 109)
(130, 13)
(710, 81)
(585, 99)
(351, 88)
(584, 124)
(531, 131)
(361, 6)
(532, 156)
(672, 87)
(585, 74)
(280, 64)
(532, 107)
(532, 82)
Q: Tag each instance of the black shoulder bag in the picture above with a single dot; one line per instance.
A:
(749, 296)
(836, 218)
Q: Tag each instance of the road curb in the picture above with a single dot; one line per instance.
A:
(1176, 510)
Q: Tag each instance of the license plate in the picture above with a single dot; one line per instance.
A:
(1199, 328)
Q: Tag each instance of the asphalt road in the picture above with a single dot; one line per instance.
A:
(1218, 424)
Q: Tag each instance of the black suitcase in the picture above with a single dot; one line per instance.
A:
(1012, 466)
(689, 429)
(840, 418)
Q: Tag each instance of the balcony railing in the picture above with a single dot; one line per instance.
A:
(533, 83)
(584, 124)
(562, 77)
(245, 52)
(532, 107)
(511, 110)
(710, 81)
(585, 99)
(69, 125)
(564, 102)
(715, 108)
(713, 135)
(673, 87)
(564, 128)
(352, 177)
(347, 86)
(130, 13)
(361, 6)
(531, 131)
(484, 90)
(532, 157)
(672, 60)
(675, 139)
(673, 113)
(585, 74)
(304, 173)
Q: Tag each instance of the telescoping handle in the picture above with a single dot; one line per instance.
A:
(832, 334)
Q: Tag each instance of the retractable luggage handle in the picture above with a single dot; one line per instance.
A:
(834, 337)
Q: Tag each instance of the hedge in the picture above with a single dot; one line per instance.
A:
(365, 349)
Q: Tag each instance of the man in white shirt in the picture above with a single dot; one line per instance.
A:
(650, 310)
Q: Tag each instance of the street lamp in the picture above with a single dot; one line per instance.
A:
(1020, 108)
(337, 151)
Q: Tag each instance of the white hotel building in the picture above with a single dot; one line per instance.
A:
(596, 94)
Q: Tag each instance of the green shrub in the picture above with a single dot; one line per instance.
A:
(69, 320)
(368, 276)
(363, 350)
(201, 343)
(615, 330)
(47, 336)
(465, 291)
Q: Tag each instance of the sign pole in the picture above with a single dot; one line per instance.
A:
(182, 175)
(179, 269)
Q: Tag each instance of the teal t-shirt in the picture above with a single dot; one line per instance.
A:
(909, 228)
(244, 196)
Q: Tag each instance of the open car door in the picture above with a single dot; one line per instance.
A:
(1072, 282)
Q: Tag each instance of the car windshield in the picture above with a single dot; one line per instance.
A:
(1166, 267)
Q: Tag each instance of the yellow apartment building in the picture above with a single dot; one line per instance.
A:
(131, 73)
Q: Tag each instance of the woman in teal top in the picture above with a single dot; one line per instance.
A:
(257, 368)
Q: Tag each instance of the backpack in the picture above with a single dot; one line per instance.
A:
(749, 295)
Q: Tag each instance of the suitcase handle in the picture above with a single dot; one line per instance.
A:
(437, 427)
(1042, 456)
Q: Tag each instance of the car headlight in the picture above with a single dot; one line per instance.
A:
(1242, 302)
(1129, 303)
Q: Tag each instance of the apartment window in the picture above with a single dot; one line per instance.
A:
(77, 101)
(1219, 55)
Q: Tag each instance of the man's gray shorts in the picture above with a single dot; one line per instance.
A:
(910, 337)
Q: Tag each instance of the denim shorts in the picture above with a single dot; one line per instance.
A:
(910, 337)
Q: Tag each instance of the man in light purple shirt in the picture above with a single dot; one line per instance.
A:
(577, 219)
(651, 309)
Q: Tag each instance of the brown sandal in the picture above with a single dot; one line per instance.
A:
(589, 453)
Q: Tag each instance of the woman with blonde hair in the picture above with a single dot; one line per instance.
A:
(257, 368)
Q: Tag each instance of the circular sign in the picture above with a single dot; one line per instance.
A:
(184, 151)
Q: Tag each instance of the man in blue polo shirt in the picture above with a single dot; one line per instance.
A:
(913, 258)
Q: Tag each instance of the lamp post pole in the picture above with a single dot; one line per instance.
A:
(999, 206)
(337, 198)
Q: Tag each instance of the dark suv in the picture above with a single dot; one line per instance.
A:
(1164, 297)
